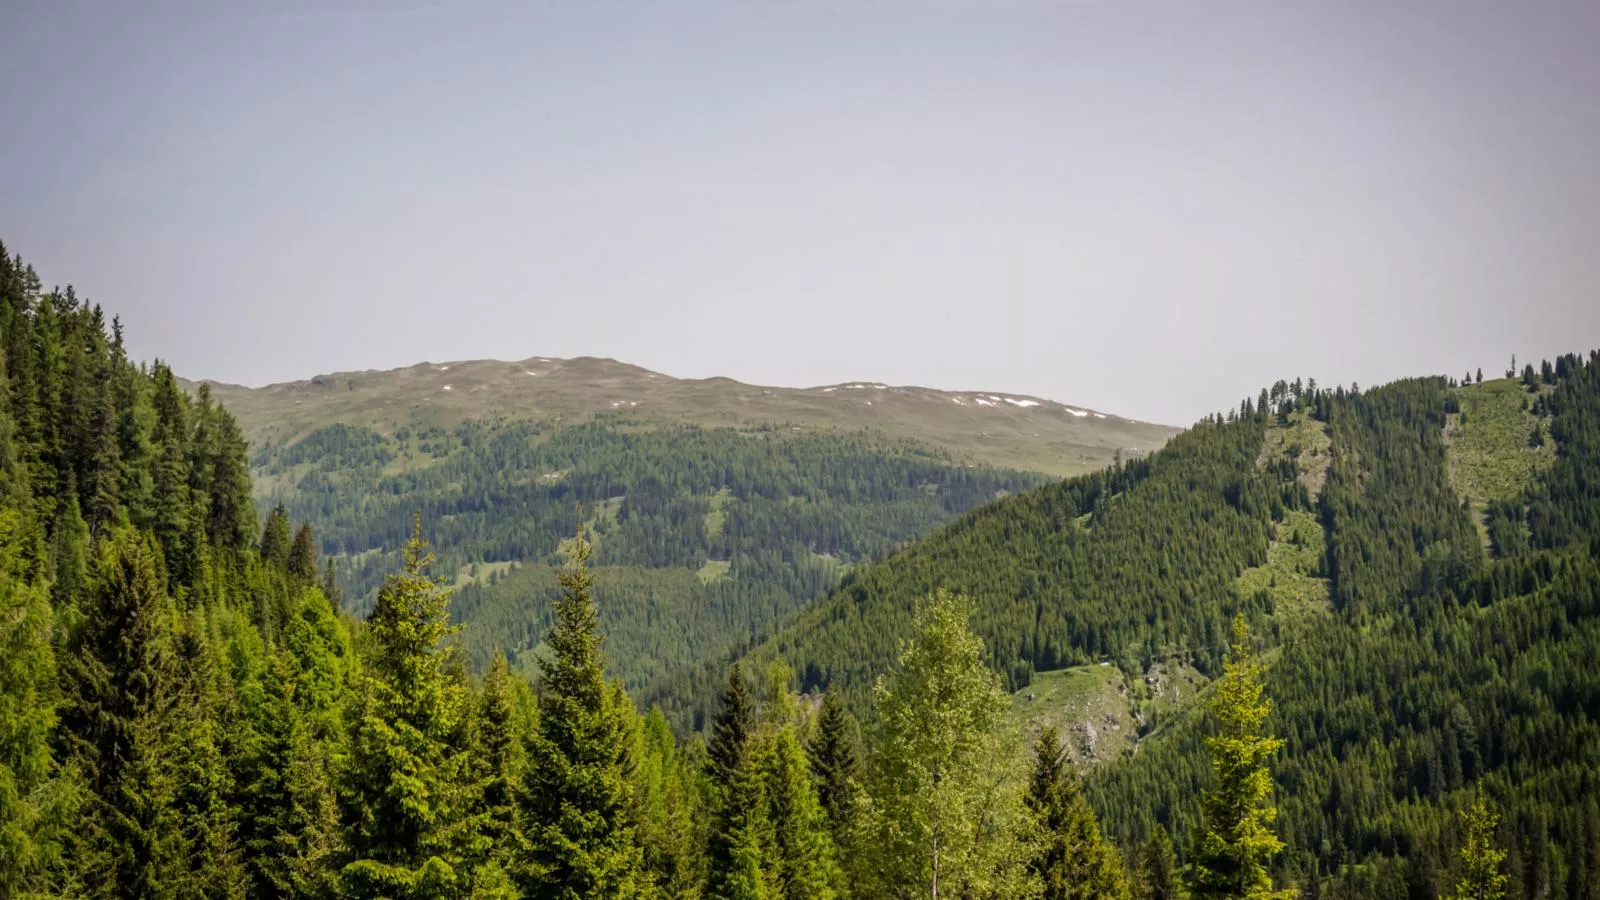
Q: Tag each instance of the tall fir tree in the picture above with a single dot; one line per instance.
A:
(119, 680)
(403, 764)
(303, 555)
(275, 541)
(577, 803)
(1073, 861)
(1230, 859)
(1158, 867)
(947, 813)
(803, 861)
(738, 798)
(836, 766)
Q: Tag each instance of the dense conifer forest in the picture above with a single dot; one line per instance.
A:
(703, 536)
(1399, 653)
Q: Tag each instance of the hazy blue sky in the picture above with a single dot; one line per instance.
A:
(1151, 208)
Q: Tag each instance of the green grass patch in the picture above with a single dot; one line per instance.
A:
(1289, 579)
(1089, 704)
(1304, 440)
(472, 573)
(715, 516)
(713, 570)
(1488, 453)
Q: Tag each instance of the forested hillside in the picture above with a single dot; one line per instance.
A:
(1353, 633)
(712, 535)
(186, 712)
(1421, 556)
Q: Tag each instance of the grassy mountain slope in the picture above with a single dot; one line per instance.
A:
(1006, 430)
(1426, 588)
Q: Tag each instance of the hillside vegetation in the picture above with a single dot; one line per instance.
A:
(1413, 664)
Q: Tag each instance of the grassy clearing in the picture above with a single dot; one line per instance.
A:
(1304, 440)
(1489, 455)
(479, 572)
(715, 517)
(1089, 704)
(713, 570)
(1289, 578)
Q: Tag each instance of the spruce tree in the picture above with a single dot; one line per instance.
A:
(836, 767)
(804, 865)
(1482, 862)
(577, 803)
(275, 540)
(500, 761)
(213, 858)
(120, 684)
(303, 555)
(946, 805)
(733, 727)
(737, 796)
(1158, 867)
(1230, 860)
(402, 763)
(1072, 860)
(668, 833)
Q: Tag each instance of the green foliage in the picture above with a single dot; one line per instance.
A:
(835, 764)
(1481, 878)
(1072, 861)
(945, 815)
(581, 840)
(1158, 867)
(1232, 856)
(403, 762)
(35, 801)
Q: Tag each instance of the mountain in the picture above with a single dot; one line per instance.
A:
(997, 429)
(1421, 558)
(718, 508)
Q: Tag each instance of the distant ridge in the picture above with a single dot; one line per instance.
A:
(991, 427)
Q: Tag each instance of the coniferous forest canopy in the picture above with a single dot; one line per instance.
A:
(1384, 605)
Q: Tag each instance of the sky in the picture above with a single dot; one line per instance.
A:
(1149, 208)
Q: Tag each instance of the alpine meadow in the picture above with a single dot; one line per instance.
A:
(1334, 642)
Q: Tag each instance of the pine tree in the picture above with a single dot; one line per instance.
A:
(836, 767)
(1230, 860)
(803, 861)
(213, 859)
(731, 731)
(275, 541)
(70, 549)
(500, 759)
(1481, 861)
(947, 813)
(1158, 869)
(577, 803)
(1073, 861)
(303, 555)
(231, 508)
(737, 861)
(738, 802)
(402, 761)
(120, 679)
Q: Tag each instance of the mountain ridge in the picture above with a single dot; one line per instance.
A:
(1008, 429)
